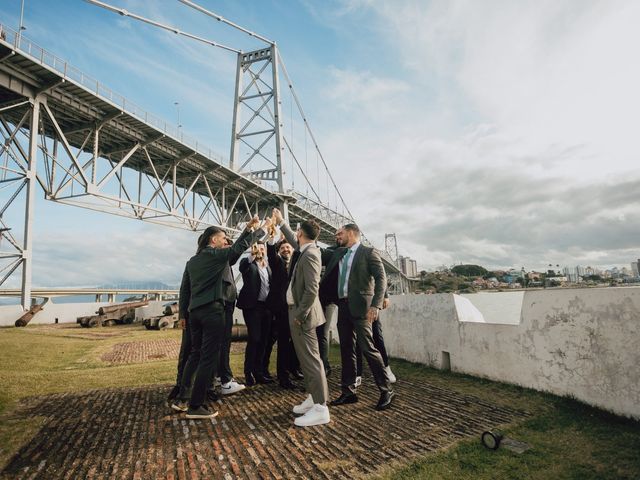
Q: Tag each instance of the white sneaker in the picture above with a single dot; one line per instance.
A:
(358, 381)
(305, 406)
(392, 377)
(317, 415)
(231, 387)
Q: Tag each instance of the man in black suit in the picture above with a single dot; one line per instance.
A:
(202, 294)
(355, 279)
(280, 255)
(254, 299)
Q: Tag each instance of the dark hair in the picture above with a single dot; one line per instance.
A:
(310, 229)
(203, 240)
(352, 227)
(282, 242)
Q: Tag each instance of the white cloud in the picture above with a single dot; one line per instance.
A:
(530, 100)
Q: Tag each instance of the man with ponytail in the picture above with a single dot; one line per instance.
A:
(202, 295)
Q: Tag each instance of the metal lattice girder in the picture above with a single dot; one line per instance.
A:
(256, 139)
(89, 147)
(17, 190)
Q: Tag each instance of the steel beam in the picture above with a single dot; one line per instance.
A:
(27, 252)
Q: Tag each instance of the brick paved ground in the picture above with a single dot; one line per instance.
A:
(130, 433)
(147, 350)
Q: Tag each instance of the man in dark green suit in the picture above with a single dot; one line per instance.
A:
(355, 280)
(202, 295)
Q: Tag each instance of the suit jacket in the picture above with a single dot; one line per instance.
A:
(305, 283)
(279, 278)
(252, 282)
(202, 280)
(367, 280)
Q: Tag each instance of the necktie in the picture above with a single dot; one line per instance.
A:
(343, 272)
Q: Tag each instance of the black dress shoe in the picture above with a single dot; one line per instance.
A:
(262, 379)
(268, 376)
(385, 400)
(173, 394)
(212, 395)
(249, 380)
(287, 384)
(297, 374)
(344, 399)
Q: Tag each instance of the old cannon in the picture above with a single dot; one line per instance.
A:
(120, 313)
(168, 319)
(28, 315)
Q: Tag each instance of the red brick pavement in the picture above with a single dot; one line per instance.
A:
(131, 434)
(148, 350)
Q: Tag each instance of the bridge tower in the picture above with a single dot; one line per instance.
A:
(397, 282)
(256, 137)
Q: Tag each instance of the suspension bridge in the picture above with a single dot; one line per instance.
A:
(85, 145)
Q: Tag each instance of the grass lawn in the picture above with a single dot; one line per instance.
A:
(569, 440)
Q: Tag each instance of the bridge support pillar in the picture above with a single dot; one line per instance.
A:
(30, 181)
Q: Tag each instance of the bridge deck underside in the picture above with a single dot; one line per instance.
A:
(80, 112)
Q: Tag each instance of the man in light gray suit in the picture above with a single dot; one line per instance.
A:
(305, 314)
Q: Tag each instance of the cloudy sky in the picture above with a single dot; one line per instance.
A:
(498, 132)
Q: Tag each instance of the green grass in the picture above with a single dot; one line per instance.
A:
(569, 439)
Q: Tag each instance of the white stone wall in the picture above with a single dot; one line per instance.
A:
(68, 312)
(580, 342)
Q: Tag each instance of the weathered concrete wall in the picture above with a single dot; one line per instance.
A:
(584, 343)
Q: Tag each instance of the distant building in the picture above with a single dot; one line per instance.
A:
(571, 275)
(414, 268)
(634, 268)
(408, 266)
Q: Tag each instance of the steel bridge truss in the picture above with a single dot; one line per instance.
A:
(86, 146)
(133, 181)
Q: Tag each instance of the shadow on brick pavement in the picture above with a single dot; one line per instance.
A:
(130, 433)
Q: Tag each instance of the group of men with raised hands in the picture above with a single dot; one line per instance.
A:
(289, 283)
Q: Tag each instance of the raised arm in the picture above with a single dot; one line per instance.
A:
(233, 255)
(285, 229)
(289, 235)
